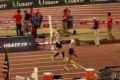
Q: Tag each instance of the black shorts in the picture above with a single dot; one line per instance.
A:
(58, 45)
(71, 51)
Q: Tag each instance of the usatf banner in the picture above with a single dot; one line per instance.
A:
(15, 44)
(17, 4)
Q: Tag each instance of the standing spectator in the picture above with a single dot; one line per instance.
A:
(40, 16)
(35, 22)
(18, 19)
(109, 25)
(66, 13)
(70, 21)
(26, 27)
(96, 31)
(31, 12)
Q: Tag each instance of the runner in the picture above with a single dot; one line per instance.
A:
(72, 50)
(56, 37)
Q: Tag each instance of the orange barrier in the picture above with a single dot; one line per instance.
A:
(90, 74)
(47, 76)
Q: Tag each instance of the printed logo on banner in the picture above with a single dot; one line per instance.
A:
(23, 43)
(15, 4)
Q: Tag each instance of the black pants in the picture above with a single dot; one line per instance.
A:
(19, 30)
(69, 24)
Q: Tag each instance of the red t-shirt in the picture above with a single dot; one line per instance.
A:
(109, 22)
(65, 17)
(18, 18)
(38, 13)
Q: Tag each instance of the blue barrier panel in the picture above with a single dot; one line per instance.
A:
(18, 43)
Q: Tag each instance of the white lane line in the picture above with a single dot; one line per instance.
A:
(47, 62)
(32, 59)
(11, 59)
(39, 67)
(27, 52)
(22, 56)
(28, 72)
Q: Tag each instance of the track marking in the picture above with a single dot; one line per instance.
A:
(76, 64)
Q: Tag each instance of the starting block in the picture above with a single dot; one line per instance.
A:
(71, 67)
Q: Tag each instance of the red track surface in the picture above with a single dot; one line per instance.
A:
(90, 57)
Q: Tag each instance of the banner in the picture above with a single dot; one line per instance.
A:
(15, 44)
(17, 4)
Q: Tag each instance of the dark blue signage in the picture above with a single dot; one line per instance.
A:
(13, 44)
(17, 4)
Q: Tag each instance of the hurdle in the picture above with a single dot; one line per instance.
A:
(34, 75)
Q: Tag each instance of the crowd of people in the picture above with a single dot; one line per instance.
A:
(32, 20)
(29, 23)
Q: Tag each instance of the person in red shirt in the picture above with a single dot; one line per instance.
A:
(18, 19)
(66, 14)
(109, 25)
(96, 31)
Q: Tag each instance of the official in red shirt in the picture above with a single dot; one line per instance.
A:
(109, 25)
(96, 31)
(18, 19)
(66, 14)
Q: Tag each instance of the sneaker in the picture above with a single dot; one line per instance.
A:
(52, 58)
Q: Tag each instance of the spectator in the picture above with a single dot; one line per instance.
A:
(40, 16)
(31, 12)
(70, 21)
(18, 19)
(26, 27)
(66, 14)
(109, 25)
(96, 31)
(35, 22)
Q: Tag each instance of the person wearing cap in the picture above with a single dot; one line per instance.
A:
(96, 31)
(72, 50)
(56, 37)
(109, 26)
